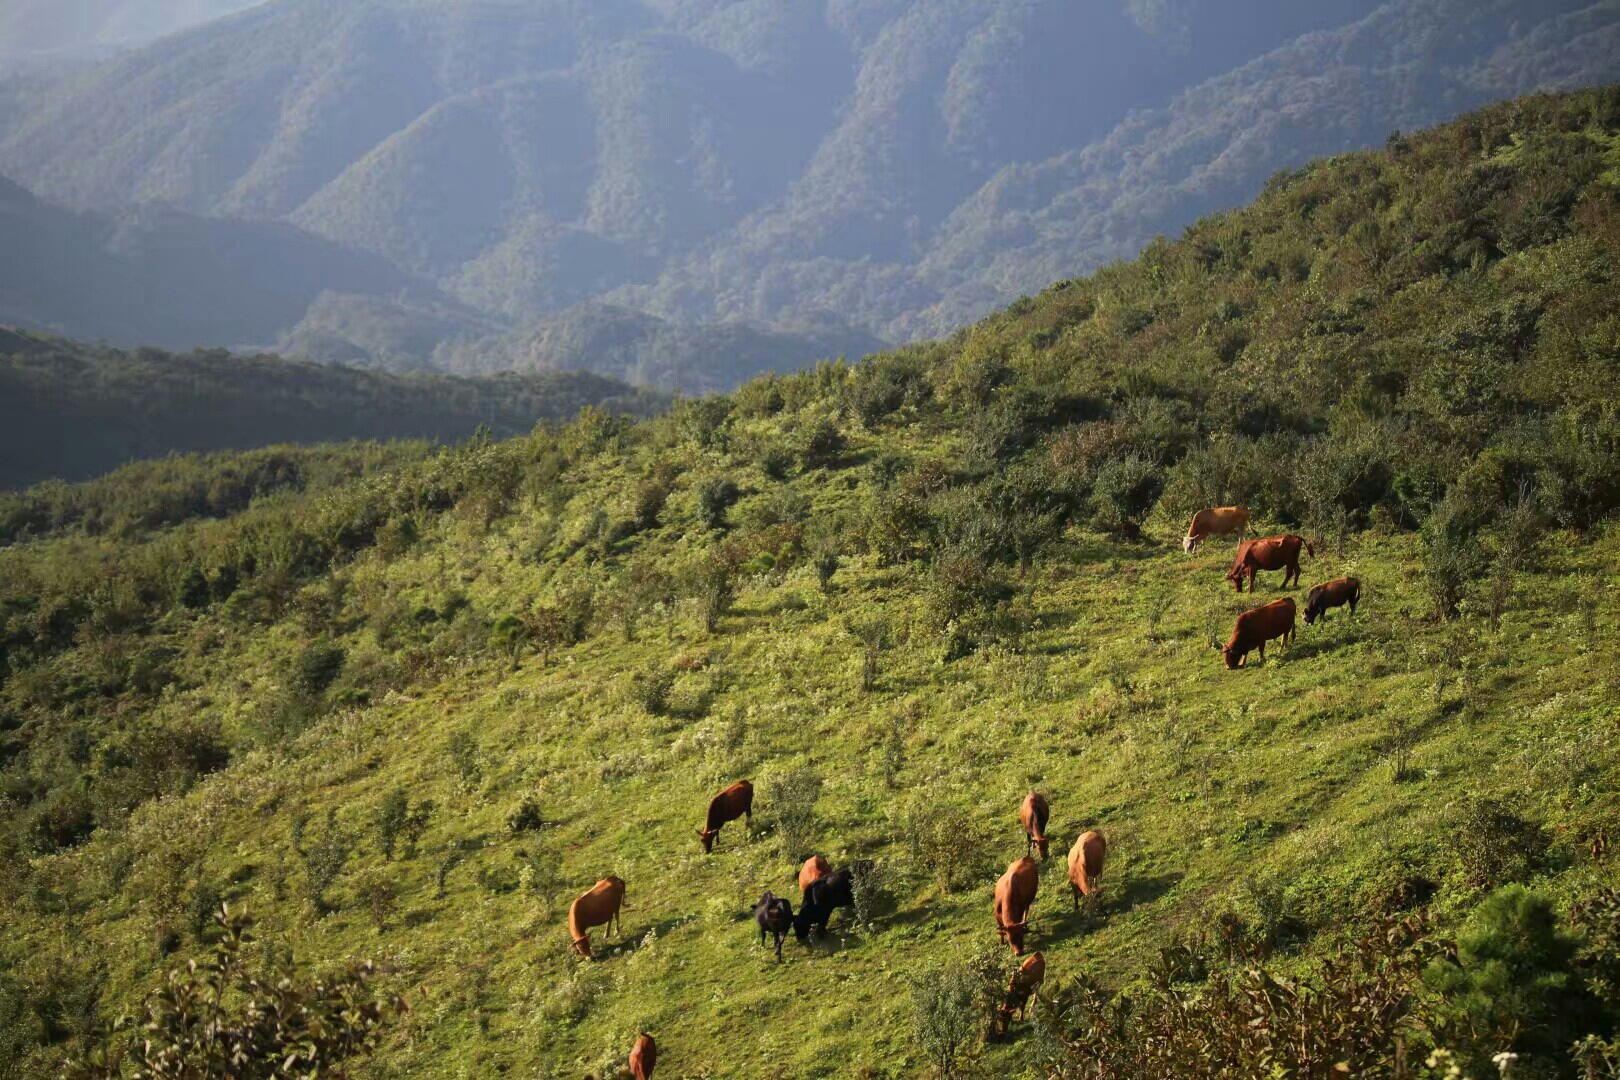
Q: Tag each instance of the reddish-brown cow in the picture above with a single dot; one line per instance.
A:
(1032, 816)
(1331, 594)
(1020, 988)
(1268, 553)
(1216, 521)
(598, 907)
(643, 1056)
(1086, 865)
(1015, 892)
(734, 802)
(814, 867)
(1256, 627)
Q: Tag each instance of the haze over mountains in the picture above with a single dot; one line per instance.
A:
(507, 180)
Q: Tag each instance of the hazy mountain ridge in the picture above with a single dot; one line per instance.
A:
(898, 167)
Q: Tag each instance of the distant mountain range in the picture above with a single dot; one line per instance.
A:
(734, 184)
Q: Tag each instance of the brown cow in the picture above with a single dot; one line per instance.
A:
(643, 1057)
(1268, 553)
(1216, 521)
(1331, 594)
(1020, 988)
(1015, 892)
(1086, 865)
(734, 802)
(598, 907)
(1032, 816)
(1257, 626)
(815, 866)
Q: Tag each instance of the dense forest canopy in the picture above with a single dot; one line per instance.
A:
(413, 713)
(71, 411)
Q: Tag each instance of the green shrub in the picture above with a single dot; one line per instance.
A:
(1494, 845)
(216, 1019)
(715, 495)
(1511, 986)
(391, 819)
(792, 795)
(318, 667)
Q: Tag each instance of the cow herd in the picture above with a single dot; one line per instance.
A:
(823, 889)
(1276, 620)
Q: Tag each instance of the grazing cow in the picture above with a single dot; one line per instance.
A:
(1217, 521)
(824, 896)
(1268, 553)
(774, 914)
(734, 802)
(1331, 594)
(1015, 892)
(643, 1056)
(598, 907)
(1020, 988)
(1086, 865)
(1032, 816)
(1257, 626)
(814, 867)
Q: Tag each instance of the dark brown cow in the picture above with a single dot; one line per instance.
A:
(1015, 892)
(643, 1056)
(1331, 594)
(734, 802)
(598, 907)
(1020, 988)
(1032, 816)
(815, 866)
(1216, 521)
(1268, 553)
(1256, 627)
(1086, 865)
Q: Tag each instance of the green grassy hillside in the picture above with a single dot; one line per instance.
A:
(897, 595)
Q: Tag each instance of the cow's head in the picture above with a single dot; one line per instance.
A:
(1041, 845)
(1233, 658)
(1189, 544)
(707, 836)
(1311, 610)
(801, 924)
(1014, 933)
(583, 945)
(1235, 576)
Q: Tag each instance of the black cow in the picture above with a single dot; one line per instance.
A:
(825, 895)
(774, 914)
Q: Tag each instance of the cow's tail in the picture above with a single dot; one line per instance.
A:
(1310, 550)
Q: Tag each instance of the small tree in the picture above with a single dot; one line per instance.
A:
(874, 636)
(378, 893)
(391, 818)
(715, 495)
(945, 1015)
(793, 795)
(324, 861)
(510, 635)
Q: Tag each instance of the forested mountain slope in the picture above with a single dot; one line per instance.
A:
(412, 716)
(73, 28)
(72, 411)
(896, 167)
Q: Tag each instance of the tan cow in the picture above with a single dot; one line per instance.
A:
(1015, 892)
(1086, 865)
(643, 1057)
(1032, 816)
(734, 802)
(598, 907)
(1216, 521)
(1257, 626)
(1020, 988)
(815, 866)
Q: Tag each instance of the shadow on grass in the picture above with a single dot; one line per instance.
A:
(633, 938)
